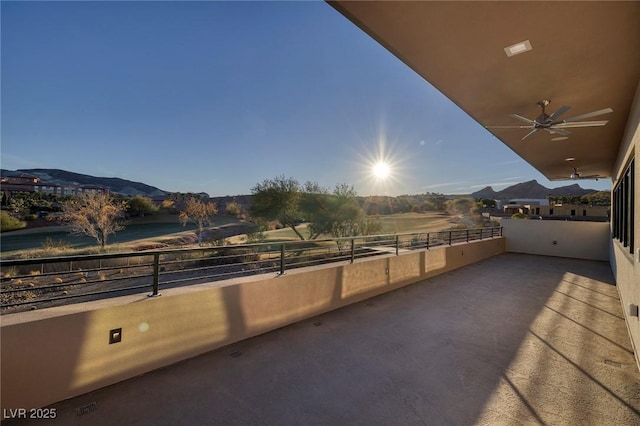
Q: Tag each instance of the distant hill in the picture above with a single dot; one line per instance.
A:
(116, 185)
(486, 192)
(531, 189)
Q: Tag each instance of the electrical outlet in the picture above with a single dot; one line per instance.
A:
(115, 336)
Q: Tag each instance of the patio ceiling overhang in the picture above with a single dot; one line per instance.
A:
(584, 54)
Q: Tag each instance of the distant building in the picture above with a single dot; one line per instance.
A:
(11, 182)
(568, 211)
(525, 205)
(72, 189)
(575, 210)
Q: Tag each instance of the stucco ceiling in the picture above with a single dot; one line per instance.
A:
(585, 55)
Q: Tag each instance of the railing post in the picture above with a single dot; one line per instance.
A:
(480, 233)
(282, 259)
(450, 232)
(397, 244)
(467, 234)
(156, 275)
(491, 232)
(428, 238)
(501, 231)
(353, 249)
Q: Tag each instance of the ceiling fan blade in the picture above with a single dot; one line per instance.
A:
(556, 131)
(579, 124)
(521, 118)
(557, 114)
(509, 127)
(588, 115)
(530, 133)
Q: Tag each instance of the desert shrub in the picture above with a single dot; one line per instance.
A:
(519, 216)
(9, 272)
(10, 223)
(51, 244)
(233, 209)
(273, 225)
(257, 236)
(30, 217)
(230, 256)
(459, 226)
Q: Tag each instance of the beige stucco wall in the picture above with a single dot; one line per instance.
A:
(56, 354)
(580, 240)
(626, 266)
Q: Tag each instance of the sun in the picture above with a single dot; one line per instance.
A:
(381, 170)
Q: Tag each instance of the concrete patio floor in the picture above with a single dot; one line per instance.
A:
(515, 339)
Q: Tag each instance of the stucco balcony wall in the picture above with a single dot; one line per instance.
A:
(578, 240)
(58, 353)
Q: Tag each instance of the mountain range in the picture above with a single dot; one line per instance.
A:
(530, 189)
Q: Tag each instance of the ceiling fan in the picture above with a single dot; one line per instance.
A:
(552, 123)
(575, 175)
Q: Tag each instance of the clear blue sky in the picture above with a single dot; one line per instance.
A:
(215, 97)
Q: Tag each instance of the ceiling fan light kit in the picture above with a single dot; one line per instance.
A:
(553, 124)
(575, 175)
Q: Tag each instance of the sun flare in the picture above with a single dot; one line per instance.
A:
(381, 170)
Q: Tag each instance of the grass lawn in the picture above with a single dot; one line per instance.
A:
(414, 222)
(393, 223)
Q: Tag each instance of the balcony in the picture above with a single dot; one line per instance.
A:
(512, 339)
(507, 339)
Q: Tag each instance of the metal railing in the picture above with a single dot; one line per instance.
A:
(45, 282)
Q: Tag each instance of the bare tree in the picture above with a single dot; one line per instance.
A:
(198, 212)
(95, 214)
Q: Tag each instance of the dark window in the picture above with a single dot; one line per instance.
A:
(550, 212)
(624, 207)
(573, 212)
(584, 212)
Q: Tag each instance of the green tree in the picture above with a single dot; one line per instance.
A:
(337, 214)
(345, 218)
(278, 199)
(96, 214)
(487, 203)
(141, 205)
(600, 198)
(462, 205)
(341, 216)
(198, 212)
(436, 201)
(19, 206)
